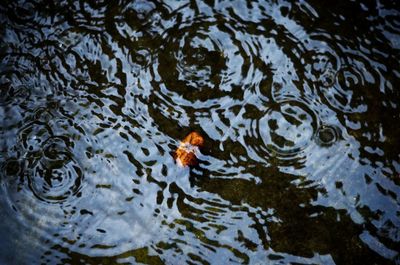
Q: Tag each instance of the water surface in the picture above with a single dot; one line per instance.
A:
(298, 102)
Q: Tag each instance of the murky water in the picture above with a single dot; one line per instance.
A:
(298, 102)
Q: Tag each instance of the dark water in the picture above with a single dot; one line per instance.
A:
(298, 102)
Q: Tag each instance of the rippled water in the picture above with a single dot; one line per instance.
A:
(298, 102)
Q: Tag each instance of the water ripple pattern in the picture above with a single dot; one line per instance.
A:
(286, 129)
(298, 103)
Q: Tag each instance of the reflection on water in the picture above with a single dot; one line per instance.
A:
(298, 104)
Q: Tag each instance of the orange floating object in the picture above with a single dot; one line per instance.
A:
(185, 155)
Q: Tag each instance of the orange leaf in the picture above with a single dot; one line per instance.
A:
(185, 154)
